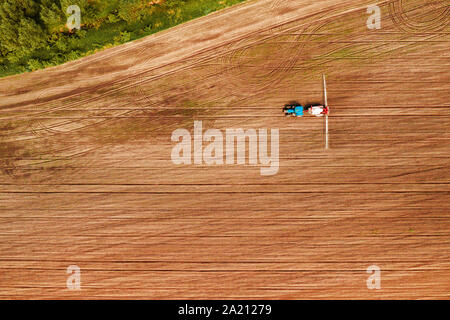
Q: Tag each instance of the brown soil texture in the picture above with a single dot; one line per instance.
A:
(87, 177)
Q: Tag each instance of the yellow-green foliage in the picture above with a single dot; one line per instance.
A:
(34, 35)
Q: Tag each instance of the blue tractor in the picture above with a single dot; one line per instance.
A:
(293, 109)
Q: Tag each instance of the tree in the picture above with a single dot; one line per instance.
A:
(52, 15)
(128, 10)
(20, 32)
(31, 35)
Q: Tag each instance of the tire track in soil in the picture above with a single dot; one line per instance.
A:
(437, 22)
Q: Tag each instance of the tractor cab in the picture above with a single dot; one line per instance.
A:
(293, 110)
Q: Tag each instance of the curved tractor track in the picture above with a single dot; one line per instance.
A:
(86, 176)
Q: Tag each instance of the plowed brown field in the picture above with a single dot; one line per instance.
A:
(87, 177)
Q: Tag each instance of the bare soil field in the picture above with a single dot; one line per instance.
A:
(87, 178)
